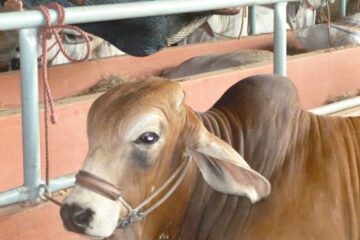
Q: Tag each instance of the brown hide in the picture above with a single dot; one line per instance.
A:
(311, 162)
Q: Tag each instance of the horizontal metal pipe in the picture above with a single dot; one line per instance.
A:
(21, 194)
(13, 196)
(337, 106)
(60, 183)
(30, 19)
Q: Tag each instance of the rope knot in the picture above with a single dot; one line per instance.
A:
(49, 31)
(46, 33)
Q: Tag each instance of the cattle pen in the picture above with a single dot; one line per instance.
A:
(68, 81)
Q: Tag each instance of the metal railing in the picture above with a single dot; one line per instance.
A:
(337, 106)
(27, 23)
(252, 16)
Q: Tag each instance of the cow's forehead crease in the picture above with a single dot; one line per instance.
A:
(134, 95)
(143, 89)
(131, 124)
(149, 121)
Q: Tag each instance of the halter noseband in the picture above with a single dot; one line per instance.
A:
(112, 192)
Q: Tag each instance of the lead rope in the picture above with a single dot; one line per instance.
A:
(186, 31)
(46, 33)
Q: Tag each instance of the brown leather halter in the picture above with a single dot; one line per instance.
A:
(95, 184)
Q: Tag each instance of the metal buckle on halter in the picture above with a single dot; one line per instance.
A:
(132, 217)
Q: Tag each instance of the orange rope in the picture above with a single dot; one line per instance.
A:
(46, 33)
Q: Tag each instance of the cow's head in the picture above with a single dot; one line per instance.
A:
(147, 35)
(139, 134)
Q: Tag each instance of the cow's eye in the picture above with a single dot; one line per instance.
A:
(148, 138)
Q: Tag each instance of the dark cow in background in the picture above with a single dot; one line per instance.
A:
(142, 133)
(138, 36)
(147, 35)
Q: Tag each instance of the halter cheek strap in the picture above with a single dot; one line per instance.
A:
(112, 192)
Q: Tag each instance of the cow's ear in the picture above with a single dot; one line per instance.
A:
(225, 170)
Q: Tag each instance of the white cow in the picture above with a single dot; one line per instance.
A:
(322, 36)
(299, 15)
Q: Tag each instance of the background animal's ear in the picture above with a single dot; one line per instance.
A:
(226, 171)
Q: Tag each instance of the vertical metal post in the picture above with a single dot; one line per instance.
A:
(280, 38)
(252, 20)
(30, 112)
(342, 8)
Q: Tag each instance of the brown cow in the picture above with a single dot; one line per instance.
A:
(141, 133)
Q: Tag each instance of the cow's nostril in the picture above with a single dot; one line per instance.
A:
(75, 218)
(82, 217)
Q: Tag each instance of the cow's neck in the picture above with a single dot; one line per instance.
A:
(214, 214)
(259, 140)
